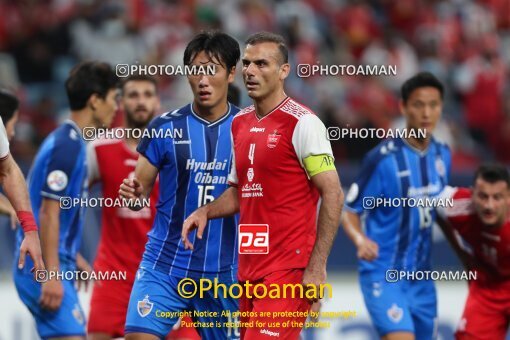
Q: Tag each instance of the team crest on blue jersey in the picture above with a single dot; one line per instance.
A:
(57, 180)
(395, 313)
(144, 307)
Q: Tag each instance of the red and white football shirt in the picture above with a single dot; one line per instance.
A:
(4, 141)
(277, 198)
(489, 245)
(124, 232)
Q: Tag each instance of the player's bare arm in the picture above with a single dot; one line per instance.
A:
(15, 189)
(52, 290)
(366, 248)
(140, 186)
(330, 210)
(225, 205)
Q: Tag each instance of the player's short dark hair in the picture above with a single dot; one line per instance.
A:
(422, 79)
(218, 45)
(88, 78)
(262, 37)
(138, 77)
(8, 105)
(493, 173)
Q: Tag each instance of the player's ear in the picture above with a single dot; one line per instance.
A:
(231, 75)
(93, 102)
(401, 106)
(284, 71)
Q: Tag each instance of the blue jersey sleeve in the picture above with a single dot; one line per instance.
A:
(368, 184)
(153, 148)
(63, 158)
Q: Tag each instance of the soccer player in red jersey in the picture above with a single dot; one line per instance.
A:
(479, 222)
(124, 232)
(14, 186)
(283, 165)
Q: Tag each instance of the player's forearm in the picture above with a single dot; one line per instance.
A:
(14, 185)
(328, 223)
(225, 205)
(50, 226)
(351, 224)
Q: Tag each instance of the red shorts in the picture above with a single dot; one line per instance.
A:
(280, 326)
(108, 307)
(486, 314)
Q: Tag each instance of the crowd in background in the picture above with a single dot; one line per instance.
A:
(465, 43)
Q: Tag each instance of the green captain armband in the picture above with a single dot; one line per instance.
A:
(316, 164)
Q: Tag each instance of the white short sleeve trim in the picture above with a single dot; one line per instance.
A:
(447, 193)
(232, 176)
(310, 138)
(4, 141)
(92, 166)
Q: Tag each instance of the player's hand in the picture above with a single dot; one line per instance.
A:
(367, 249)
(314, 275)
(31, 245)
(83, 266)
(316, 309)
(131, 188)
(197, 220)
(51, 294)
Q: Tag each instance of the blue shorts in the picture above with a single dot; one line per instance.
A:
(403, 306)
(155, 303)
(68, 320)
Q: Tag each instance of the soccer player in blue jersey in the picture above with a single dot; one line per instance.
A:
(398, 238)
(193, 161)
(59, 173)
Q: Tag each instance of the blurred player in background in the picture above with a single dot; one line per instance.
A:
(283, 164)
(17, 203)
(400, 238)
(124, 232)
(60, 171)
(9, 115)
(193, 164)
(480, 221)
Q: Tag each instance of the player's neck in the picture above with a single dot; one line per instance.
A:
(420, 144)
(265, 105)
(212, 114)
(82, 118)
